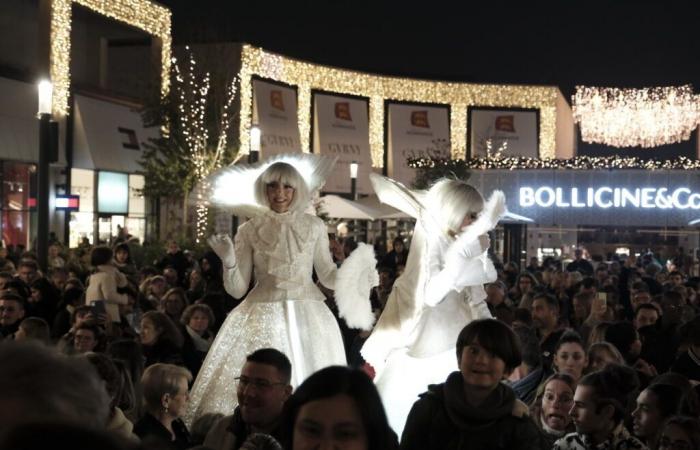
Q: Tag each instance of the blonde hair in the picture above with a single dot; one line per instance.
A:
(450, 201)
(160, 379)
(286, 174)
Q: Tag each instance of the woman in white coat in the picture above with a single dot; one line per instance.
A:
(103, 284)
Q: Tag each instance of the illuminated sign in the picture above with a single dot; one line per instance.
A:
(609, 197)
(68, 202)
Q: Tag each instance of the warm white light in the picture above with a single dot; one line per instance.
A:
(255, 135)
(636, 117)
(353, 170)
(45, 93)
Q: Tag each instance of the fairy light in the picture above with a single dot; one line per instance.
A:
(142, 14)
(646, 117)
(577, 163)
(193, 92)
(459, 96)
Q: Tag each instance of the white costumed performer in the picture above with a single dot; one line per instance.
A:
(440, 291)
(278, 247)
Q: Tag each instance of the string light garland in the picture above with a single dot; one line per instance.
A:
(577, 163)
(645, 118)
(193, 96)
(459, 96)
(142, 14)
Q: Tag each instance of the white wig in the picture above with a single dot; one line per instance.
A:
(285, 174)
(449, 201)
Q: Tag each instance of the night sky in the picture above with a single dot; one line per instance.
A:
(624, 44)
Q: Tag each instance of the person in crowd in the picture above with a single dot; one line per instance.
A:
(104, 283)
(173, 303)
(570, 355)
(196, 321)
(524, 285)
(43, 386)
(473, 408)
(338, 407)
(70, 300)
(88, 337)
(688, 362)
(28, 271)
(55, 259)
(165, 394)
(545, 318)
(175, 258)
(646, 315)
(441, 290)
(397, 256)
(196, 286)
(498, 302)
(58, 277)
(550, 410)
(171, 277)
(680, 433)
(280, 246)
(579, 264)
(123, 263)
(128, 353)
(625, 338)
(531, 373)
(12, 311)
(262, 388)
(582, 303)
(601, 403)
(80, 315)
(161, 339)
(34, 328)
(598, 332)
(43, 301)
(602, 354)
(117, 422)
(655, 405)
(380, 293)
(152, 290)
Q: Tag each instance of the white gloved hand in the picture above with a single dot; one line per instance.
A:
(462, 270)
(480, 310)
(472, 248)
(223, 247)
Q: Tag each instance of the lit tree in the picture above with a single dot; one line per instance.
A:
(198, 138)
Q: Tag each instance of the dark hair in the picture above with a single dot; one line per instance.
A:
(337, 380)
(28, 263)
(275, 358)
(614, 385)
(36, 328)
(569, 337)
(128, 352)
(168, 331)
(690, 404)
(552, 301)
(494, 336)
(640, 286)
(622, 335)
(529, 346)
(690, 331)
(689, 425)
(523, 315)
(124, 247)
(13, 297)
(649, 306)
(73, 296)
(108, 373)
(668, 399)
(588, 282)
(536, 406)
(100, 255)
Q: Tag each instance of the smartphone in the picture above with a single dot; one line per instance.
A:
(603, 298)
(98, 308)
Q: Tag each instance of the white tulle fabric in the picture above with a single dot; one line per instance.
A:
(285, 310)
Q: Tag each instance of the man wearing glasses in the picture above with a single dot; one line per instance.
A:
(262, 389)
(11, 314)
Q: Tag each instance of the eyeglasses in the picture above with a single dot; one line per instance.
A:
(665, 442)
(260, 384)
(7, 308)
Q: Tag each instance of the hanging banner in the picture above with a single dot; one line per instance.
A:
(504, 132)
(275, 112)
(341, 128)
(416, 131)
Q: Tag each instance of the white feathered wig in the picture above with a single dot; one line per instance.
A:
(450, 201)
(285, 174)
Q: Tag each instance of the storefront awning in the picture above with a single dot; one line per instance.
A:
(108, 136)
(19, 127)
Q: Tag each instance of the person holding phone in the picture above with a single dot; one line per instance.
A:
(102, 285)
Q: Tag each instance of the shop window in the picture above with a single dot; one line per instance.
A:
(81, 227)
(17, 186)
(112, 192)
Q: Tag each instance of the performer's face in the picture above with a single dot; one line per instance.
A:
(468, 220)
(279, 196)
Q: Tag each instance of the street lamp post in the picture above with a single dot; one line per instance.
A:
(353, 180)
(255, 135)
(42, 195)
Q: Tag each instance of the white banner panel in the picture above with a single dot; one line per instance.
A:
(416, 131)
(514, 132)
(275, 112)
(341, 127)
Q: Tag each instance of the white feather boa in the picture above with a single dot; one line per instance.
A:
(353, 283)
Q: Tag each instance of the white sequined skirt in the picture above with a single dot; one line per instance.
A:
(304, 330)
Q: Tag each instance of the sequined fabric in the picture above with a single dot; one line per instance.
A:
(284, 310)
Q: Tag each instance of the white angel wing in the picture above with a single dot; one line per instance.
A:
(494, 209)
(233, 187)
(395, 194)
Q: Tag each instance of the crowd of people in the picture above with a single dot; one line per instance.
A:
(236, 349)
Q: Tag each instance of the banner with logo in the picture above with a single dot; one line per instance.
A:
(341, 128)
(275, 112)
(504, 132)
(416, 131)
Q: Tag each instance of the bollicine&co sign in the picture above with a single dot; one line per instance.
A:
(609, 197)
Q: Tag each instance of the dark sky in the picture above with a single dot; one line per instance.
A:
(621, 44)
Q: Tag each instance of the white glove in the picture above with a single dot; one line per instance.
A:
(472, 248)
(480, 310)
(223, 247)
(463, 271)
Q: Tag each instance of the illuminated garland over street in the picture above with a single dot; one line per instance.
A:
(577, 163)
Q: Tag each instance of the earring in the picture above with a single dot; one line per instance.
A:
(166, 409)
